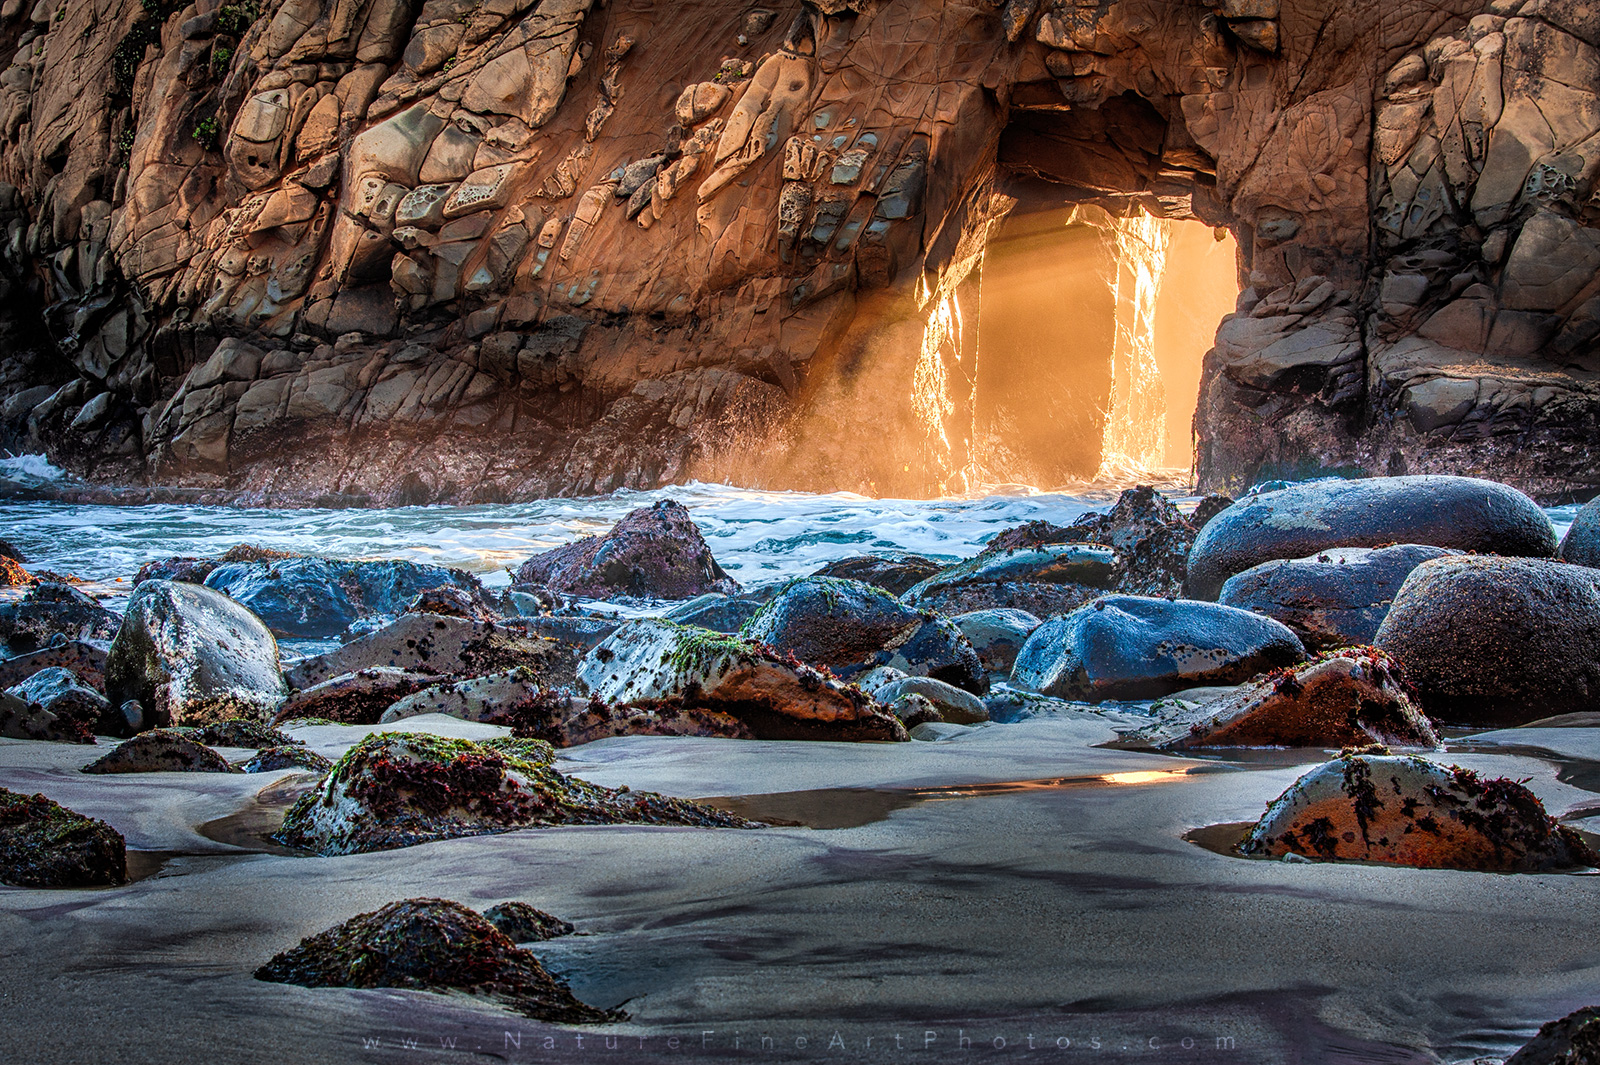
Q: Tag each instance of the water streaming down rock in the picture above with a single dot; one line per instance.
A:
(1135, 430)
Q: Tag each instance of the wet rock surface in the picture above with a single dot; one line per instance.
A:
(238, 733)
(1350, 698)
(272, 759)
(719, 613)
(190, 655)
(86, 660)
(1572, 1040)
(401, 789)
(52, 609)
(356, 698)
(161, 751)
(1129, 647)
(951, 703)
(1581, 544)
(77, 709)
(1464, 513)
(313, 597)
(1497, 641)
(1049, 579)
(430, 644)
(46, 845)
(1335, 598)
(895, 573)
(1404, 810)
(654, 552)
(849, 627)
(1151, 537)
(23, 720)
(997, 636)
(431, 945)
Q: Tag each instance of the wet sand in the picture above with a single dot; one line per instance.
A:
(947, 912)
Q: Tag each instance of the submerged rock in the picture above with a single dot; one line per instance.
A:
(84, 659)
(894, 572)
(1497, 641)
(1335, 598)
(652, 663)
(1045, 580)
(73, 709)
(655, 552)
(1404, 810)
(431, 644)
(357, 698)
(522, 923)
(431, 945)
(1301, 520)
(1349, 699)
(287, 756)
(1131, 647)
(46, 845)
(997, 636)
(1573, 1040)
(190, 655)
(53, 609)
(400, 789)
(161, 751)
(849, 627)
(311, 597)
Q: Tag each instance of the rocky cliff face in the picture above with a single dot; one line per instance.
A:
(482, 249)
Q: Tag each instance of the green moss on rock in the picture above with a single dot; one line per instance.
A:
(43, 844)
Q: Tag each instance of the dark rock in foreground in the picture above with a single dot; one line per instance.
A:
(1497, 641)
(1403, 810)
(1333, 599)
(12, 575)
(522, 923)
(719, 613)
(190, 655)
(431, 945)
(850, 627)
(894, 572)
(161, 751)
(271, 759)
(22, 720)
(1573, 1040)
(401, 789)
(1464, 513)
(655, 552)
(1045, 580)
(238, 733)
(1349, 699)
(1131, 647)
(46, 845)
(51, 609)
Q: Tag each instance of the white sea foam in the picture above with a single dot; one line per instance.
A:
(29, 468)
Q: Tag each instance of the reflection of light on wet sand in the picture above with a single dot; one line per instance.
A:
(1149, 776)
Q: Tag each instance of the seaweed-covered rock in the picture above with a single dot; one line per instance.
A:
(895, 572)
(311, 597)
(22, 720)
(1497, 641)
(286, 756)
(357, 698)
(654, 552)
(161, 751)
(850, 627)
(191, 655)
(46, 845)
(1336, 598)
(433, 644)
(78, 708)
(400, 789)
(1303, 519)
(953, 704)
(238, 733)
(1044, 580)
(1348, 699)
(84, 659)
(52, 608)
(656, 664)
(431, 945)
(997, 635)
(1573, 1040)
(1404, 810)
(1131, 647)
(522, 923)
(522, 748)
(719, 613)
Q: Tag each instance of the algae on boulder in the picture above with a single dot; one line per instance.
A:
(43, 844)
(1404, 810)
(400, 789)
(160, 751)
(431, 945)
(523, 924)
(271, 759)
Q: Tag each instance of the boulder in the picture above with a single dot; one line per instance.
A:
(400, 789)
(84, 659)
(1008, 706)
(22, 720)
(1493, 642)
(1131, 647)
(431, 644)
(431, 945)
(12, 575)
(997, 635)
(271, 759)
(652, 662)
(483, 699)
(849, 627)
(1336, 598)
(522, 923)
(1573, 1040)
(1046, 580)
(582, 632)
(714, 611)
(913, 710)
(160, 751)
(1581, 545)
(238, 733)
(50, 609)
(319, 597)
(452, 602)
(655, 552)
(952, 703)
(1350, 699)
(1302, 520)
(190, 655)
(558, 718)
(43, 845)
(1404, 810)
(894, 572)
(78, 709)
(357, 698)
(196, 570)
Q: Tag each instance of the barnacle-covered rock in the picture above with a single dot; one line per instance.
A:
(161, 751)
(432, 644)
(46, 845)
(238, 733)
(655, 552)
(271, 759)
(400, 789)
(356, 698)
